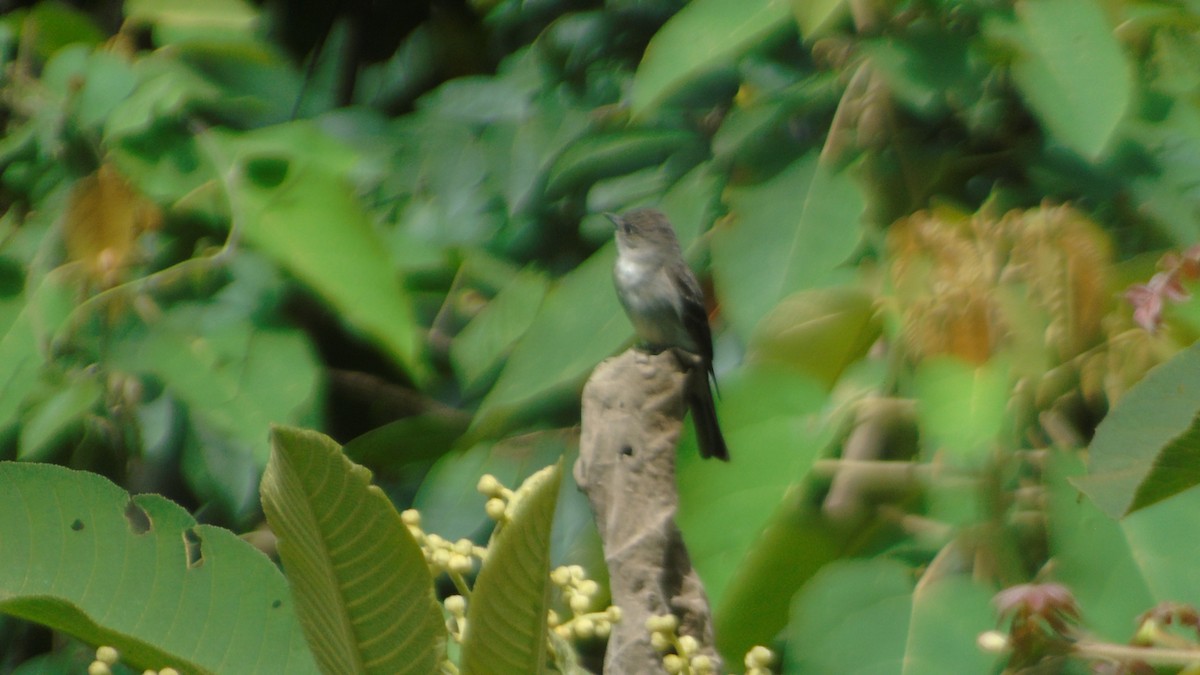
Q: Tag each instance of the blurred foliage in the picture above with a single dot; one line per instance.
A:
(381, 221)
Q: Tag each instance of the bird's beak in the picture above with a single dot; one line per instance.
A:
(616, 220)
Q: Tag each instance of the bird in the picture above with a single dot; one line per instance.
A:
(665, 304)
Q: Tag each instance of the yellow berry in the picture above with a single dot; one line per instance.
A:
(603, 628)
(107, 655)
(688, 645)
(576, 572)
(561, 576)
(759, 657)
(495, 508)
(589, 588)
(552, 618)
(411, 517)
(579, 604)
(464, 547)
(456, 605)
(488, 485)
(660, 642)
(584, 628)
(99, 668)
(614, 614)
(168, 671)
(702, 665)
(459, 564)
(673, 663)
(441, 558)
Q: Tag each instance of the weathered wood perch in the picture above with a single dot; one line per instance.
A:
(633, 410)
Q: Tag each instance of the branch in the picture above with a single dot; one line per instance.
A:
(633, 409)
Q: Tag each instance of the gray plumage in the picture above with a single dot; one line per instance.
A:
(665, 304)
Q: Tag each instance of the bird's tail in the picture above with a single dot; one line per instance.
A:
(704, 416)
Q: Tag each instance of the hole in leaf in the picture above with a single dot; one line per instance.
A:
(77, 525)
(191, 545)
(267, 172)
(627, 450)
(277, 604)
(136, 516)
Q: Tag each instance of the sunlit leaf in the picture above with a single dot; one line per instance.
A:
(962, 408)
(818, 332)
(80, 555)
(816, 17)
(363, 590)
(786, 235)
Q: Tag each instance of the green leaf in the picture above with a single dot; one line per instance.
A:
(1118, 569)
(853, 617)
(818, 333)
(80, 555)
(1148, 446)
(579, 324)
(489, 336)
(948, 614)
(44, 423)
(785, 235)
(594, 157)
(362, 587)
(180, 20)
(771, 419)
(235, 378)
(22, 351)
(507, 615)
(816, 17)
(962, 408)
(309, 220)
(703, 35)
(1071, 70)
(1092, 554)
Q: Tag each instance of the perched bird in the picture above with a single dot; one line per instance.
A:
(666, 306)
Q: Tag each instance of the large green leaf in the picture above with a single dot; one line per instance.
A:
(705, 34)
(785, 235)
(579, 324)
(506, 619)
(290, 197)
(948, 614)
(1119, 569)
(363, 590)
(771, 421)
(962, 408)
(1148, 447)
(481, 345)
(853, 617)
(818, 332)
(78, 554)
(1071, 70)
(1092, 555)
